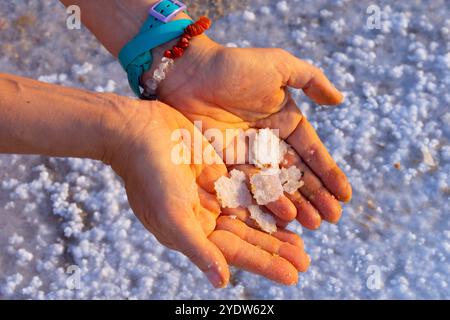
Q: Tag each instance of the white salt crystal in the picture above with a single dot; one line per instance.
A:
(15, 239)
(231, 45)
(267, 149)
(232, 191)
(291, 179)
(266, 186)
(52, 78)
(249, 16)
(10, 284)
(265, 10)
(265, 220)
(110, 86)
(159, 75)
(83, 69)
(282, 6)
(23, 256)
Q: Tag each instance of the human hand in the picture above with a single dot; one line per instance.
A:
(246, 88)
(176, 202)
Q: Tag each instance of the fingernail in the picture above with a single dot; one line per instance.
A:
(215, 278)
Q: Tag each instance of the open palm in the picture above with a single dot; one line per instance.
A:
(176, 202)
(247, 88)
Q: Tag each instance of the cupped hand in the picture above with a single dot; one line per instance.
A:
(175, 200)
(247, 88)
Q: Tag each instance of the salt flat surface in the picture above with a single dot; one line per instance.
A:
(391, 136)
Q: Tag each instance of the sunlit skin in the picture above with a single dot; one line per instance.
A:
(229, 88)
(174, 202)
(248, 88)
(240, 88)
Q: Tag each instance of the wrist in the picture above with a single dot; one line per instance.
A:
(123, 125)
(118, 114)
(199, 52)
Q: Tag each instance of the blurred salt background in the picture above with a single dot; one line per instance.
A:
(66, 218)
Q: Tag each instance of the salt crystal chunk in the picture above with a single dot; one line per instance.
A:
(231, 45)
(249, 16)
(284, 148)
(265, 10)
(110, 86)
(267, 150)
(15, 239)
(265, 220)
(23, 256)
(282, 6)
(266, 186)
(52, 78)
(291, 179)
(232, 191)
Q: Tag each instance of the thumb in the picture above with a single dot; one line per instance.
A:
(205, 255)
(303, 75)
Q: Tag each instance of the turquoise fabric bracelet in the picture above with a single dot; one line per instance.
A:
(136, 56)
(152, 39)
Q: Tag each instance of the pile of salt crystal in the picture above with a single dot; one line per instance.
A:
(267, 186)
(265, 220)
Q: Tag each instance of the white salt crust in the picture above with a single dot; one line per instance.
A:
(396, 82)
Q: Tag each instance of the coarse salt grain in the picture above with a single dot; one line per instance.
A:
(267, 150)
(266, 186)
(291, 179)
(232, 191)
(264, 220)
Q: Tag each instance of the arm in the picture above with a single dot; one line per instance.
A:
(239, 88)
(39, 118)
(135, 138)
(114, 22)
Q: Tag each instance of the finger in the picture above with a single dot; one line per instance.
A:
(209, 201)
(307, 215)
(194, 244)
(291, 253)
(302, 75)
(209, 174)
(282, 208)
(311, 149)
(288, 236)
(246, 256)
(314, 192)
(243, 215)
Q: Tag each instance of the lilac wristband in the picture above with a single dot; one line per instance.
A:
(166, 10)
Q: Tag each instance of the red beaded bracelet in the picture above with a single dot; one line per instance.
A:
(195, 29)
